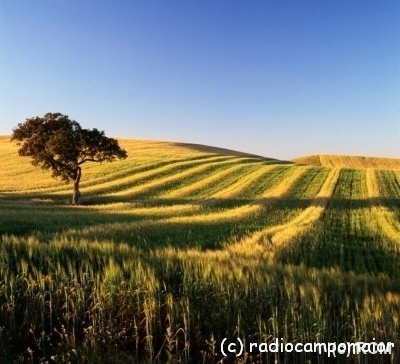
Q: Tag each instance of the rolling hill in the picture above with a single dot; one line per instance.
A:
(345, 161)
(181, 245)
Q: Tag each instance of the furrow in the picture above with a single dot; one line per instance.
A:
(351, 230)
(99, 177)
(125, 168)
(237, 188)
(273, 183)
(192, 188)
(223, 183)
(284, 233)
(198, 186)
(287, 183)
(115, 186)
(388, 221)
(267, 187)
(105, 179)
(157, 183)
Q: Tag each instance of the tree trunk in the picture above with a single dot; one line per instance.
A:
(76, 194)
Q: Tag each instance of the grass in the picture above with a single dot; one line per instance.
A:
(346, 161)
(182, 245)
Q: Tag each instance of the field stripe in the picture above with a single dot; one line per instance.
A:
(237, 213)
(274, 184)
(223, 184)
(199, 187)
(105, 179)
(132, 181)
(287, 183)
(282, 234)
(357, 162)
(391, 182)
(202, 184)
(265, 188)
(168, 179)
(173, 222)
(285, 233)
(143, 174)
(234, 214)
(291, 176)
(122, 173)
(149, 212)
(388, 222)
(236, 188)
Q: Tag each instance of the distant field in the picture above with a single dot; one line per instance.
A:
(181, 245)
(345, 161)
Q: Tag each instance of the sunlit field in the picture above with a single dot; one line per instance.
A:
(180, 246)
(350, 161)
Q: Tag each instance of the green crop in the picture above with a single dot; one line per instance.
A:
(180, 246)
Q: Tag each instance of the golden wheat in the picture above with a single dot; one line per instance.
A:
(181, 245)
(345, 161)
(197, 186)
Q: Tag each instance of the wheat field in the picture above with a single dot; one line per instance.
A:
(346, 161)
(182, 245)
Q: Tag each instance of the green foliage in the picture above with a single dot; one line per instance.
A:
(55, 142)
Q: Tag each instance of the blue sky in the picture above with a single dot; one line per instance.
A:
(276, 78)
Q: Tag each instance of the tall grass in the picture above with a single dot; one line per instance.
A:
(181, 246)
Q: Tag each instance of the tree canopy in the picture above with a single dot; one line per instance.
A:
(61, 145)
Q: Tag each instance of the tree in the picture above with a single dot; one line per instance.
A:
(59, 144)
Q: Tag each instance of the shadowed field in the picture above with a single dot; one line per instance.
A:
(181, 245)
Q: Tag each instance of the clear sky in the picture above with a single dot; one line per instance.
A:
(277, 78)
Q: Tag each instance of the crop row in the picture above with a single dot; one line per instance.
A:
(357, 230)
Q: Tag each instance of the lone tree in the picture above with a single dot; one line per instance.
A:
(57, 143)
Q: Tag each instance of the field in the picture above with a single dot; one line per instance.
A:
(182, 245)
(349, 161)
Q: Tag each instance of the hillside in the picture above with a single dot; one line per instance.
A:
(181, 245)
(345, 161)
(17, 173)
